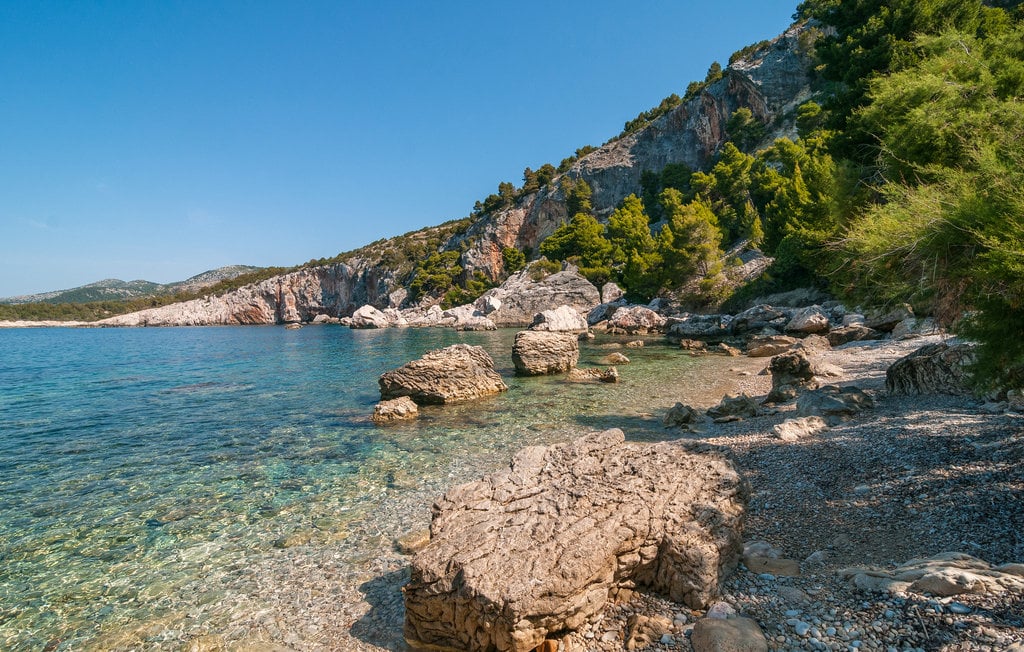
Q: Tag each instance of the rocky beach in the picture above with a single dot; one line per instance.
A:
(829, 512)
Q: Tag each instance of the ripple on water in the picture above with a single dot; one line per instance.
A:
(145, 473)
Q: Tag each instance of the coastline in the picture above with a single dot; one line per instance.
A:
(904, 480)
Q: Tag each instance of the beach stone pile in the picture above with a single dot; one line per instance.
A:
(460, 372)
(543, 548)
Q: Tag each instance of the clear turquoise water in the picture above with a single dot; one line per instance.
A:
(136, 462)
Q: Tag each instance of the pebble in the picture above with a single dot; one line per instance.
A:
(958, 608)
(767, 577)
(802, 628)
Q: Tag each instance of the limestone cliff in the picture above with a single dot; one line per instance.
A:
(771, 81)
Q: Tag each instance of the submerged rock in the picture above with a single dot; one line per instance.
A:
(540, 548)
(396, 409)
(456, 373)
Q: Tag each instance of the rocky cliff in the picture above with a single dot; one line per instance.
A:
(771, 81)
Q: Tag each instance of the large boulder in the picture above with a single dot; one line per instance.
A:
(635, 319)
(757, 318)
(456, 373)
(932, 369)
(811, 319)
(536, 353)
(689, 325)
(521, 297)
(369, 317)
(561, 319)
(851, 333)
(541, 548)
(887, 320)
(791, 372)
(766, 346)
(833, 403)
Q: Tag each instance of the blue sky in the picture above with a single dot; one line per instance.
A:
(156, 140)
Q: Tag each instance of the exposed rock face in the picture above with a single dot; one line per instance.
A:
(561, 319)
(396, 409)
(538, 549)
(521, 298)
(635, 319)
(932, 369)
(536, 353)
(299, 296)
(456, 373)
(771, 82)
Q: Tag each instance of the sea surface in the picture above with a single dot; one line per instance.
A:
(143, 472)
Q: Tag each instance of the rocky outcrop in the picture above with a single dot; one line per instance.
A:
(932, 369)
(632, 320)
(561, 319)
(334, 290)
(397, 409)
(536, 353)
(456, 373)
(521, 297)
(539, 549)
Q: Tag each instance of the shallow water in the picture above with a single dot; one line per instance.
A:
(142, 470)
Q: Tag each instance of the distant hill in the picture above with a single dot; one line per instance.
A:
(113, 289)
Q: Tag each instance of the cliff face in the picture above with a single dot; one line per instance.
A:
(772, 81)
(334, 290)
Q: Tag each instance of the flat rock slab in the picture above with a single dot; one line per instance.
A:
(456, 373)
(538, 549)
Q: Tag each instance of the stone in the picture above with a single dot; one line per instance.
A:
(489, 304)
(768, 346)
(476, 323)
(611, 292)
(724, 349)
(833, 403)
(635, 344)
(521, 297)
(809, 320)
(561, 319)
(396, 409)
(683, 416)
(369, 317)
(728, 635)
(643, 631)
(609, 375)
(943, 575)
(851, 333)
(536, 353)
(693, 326)
(603, 312)
(885, 321)
(932, 369)
(633, 320)
(460, 372)
(741, 406)
(801, 428)
(756, 318)
(773, 566)
(791, 372)
(541, 548)
(615, 358)
(412, 542)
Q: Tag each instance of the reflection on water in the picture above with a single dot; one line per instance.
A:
(141, 471)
